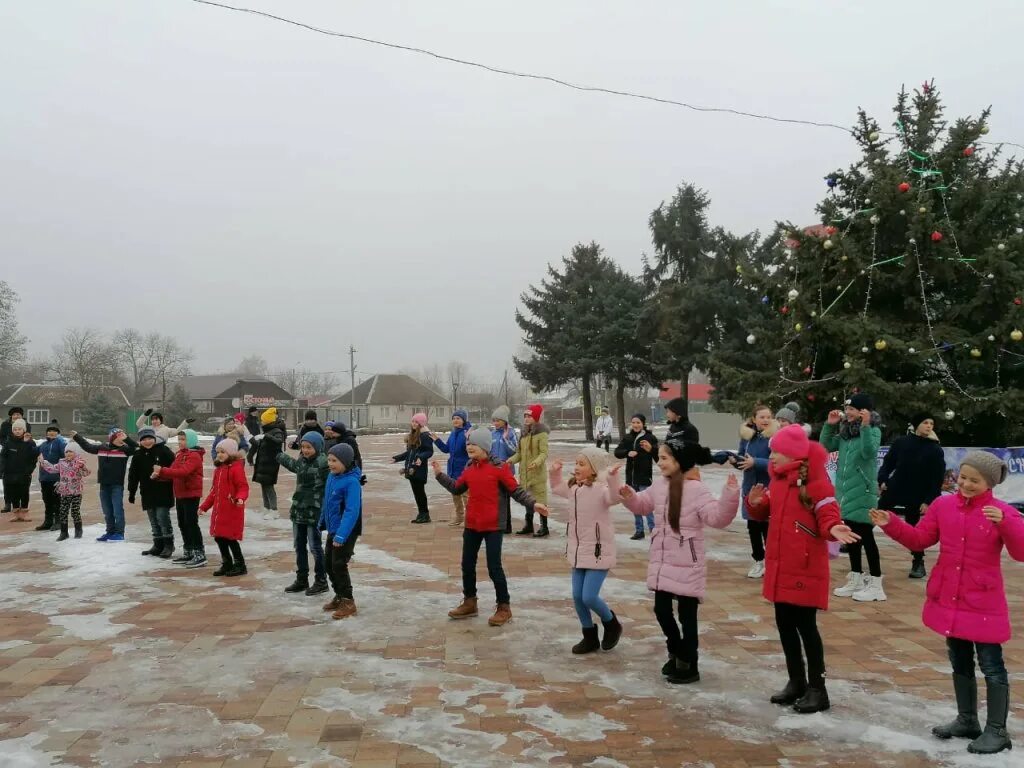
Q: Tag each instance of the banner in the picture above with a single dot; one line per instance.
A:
(1011, 491)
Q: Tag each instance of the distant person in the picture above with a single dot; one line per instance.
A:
(603, 430)
(678, 424)
(504, 444)
(338, 433)
(532, 458)
(234, 429)
(17, 463)
(310, 423)
(52, 451)
(418, 450)
(13, 414)
(263, 457)
(310, 469)
(754, 452)
(639, 447)
(252, 421)
(455, 447)
(342, 517)
(155, 421)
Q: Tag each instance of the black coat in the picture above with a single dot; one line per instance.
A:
(420, 453)
(264, 456)
(18, 459)
(912, 471)
(639, 469)
(684, 430)
(112, 465)
(307, 427)
(155, 493)
(252, 423)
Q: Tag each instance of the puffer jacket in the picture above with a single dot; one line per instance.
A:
(72, 474)
(639, 468)
(491, 487)
(796, 569)
(264, 456)
(678, 563)
(310, 478)
(857, 470)
(52, 452)
(186, 473)
(227, 498)
(754, 443)
(455, 447)
(590, 530)
(156, 494)
(912, 473)
(965, 597)
(342, 513)
(532, 457)
(18, 459)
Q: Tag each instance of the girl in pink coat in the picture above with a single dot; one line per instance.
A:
(682, 506)
(966, 600)
(590, 550)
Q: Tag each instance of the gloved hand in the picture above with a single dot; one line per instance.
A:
(148, 412)
(131, 498)
(190, 420)
(362, 479)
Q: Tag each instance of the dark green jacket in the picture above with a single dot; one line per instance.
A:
(310, 478)
(857, 471)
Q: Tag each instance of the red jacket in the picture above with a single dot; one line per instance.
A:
(796, 569)
(489, 484)
(186, 473)
(227, 497)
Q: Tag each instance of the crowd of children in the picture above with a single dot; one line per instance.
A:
(793, 511)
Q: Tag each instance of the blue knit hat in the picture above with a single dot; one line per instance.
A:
(462, 414)
(315, 439)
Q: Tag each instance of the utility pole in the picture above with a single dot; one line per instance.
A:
(352, 393)
(504, 386)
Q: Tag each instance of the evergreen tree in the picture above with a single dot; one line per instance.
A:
(179, 405)
(910, 289)
(100, 414)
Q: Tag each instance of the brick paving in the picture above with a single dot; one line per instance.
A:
(108, 658)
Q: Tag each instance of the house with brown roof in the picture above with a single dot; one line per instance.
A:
(389, 400)
(64, 403)
(224, 394)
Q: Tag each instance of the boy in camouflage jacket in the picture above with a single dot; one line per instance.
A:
(310, 470)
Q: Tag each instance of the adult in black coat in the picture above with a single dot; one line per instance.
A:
(252, 421)
(15, 412)
(911, 477)
(678, 424)
(18, 457)
(264, 460)
(309, 424)
(157, 495)
(639, 447)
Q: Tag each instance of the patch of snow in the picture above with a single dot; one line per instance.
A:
(589, 728)
(23, 753)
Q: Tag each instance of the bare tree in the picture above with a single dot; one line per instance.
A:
(457, 375)
(433, 376)
(33, 371)
(171, 363)
(303, 384)
(253, 365)
(86, 359)
(150, 361)
(12, 343)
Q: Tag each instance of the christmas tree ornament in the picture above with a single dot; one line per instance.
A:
(807, 371)
(847, 365)
(991, 276)
(844, 257)
(1016, 334)
(867, 201)
(1017, 301)
(1019, 231)
(904, 186)
(949, 415)
(881, 344)
(983, 130)
(828, 245)
(912, 351)
(798, 327)
(968, 151)
(975, 352)
(991, 337)
(903, 211)
(830, 230)
(764, 299)
(912, 241)
(864, 350)
(739, 269)
(942, 393)
(936, 237)
(814, 313)
(922, 209)
(793, 293)
(811, 397)
(784, 310)
(1001, 247)
(873, 136)
(831, 182)
(874, 219)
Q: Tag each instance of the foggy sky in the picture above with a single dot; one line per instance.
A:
(251, 187)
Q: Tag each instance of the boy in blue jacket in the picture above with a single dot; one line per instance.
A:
(342, 517)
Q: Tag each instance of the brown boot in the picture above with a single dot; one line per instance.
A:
(334, 604)
(21, 515)
(466, 609)
(502, 615)
(346, 608)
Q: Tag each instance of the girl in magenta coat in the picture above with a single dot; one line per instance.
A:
(682, 506)
(803, 517)
(965, 599)
(227, 498)
(590, 550)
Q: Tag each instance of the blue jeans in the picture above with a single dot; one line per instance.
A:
(160, 522)
(586, 595)
(471, 541)
(112, 503)
(307, 540)
(639, 519)
(990, 659)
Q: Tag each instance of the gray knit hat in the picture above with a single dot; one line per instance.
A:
(481, 438)
(344, 453)
(989, 466)
(790, 412)
(501, 413)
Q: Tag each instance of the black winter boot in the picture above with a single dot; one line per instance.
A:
(994, 738)
(612, 633)
(47, 524)
(966, 725)
(421, 518)
(318, 587)
(815, 699)
(668, 666)
(917, 569)
(226, 566)
(543, 530)
(78, 529)
(167, 548)
(301, 584)
(238, 569)
(589, 643)
(797, 685)
(527, 529)
(685, 672)
(63, 532)
(158, 546)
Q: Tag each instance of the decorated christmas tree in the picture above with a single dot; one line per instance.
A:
(910, 288)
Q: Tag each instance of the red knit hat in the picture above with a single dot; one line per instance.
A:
(791, 441)
(535, 411)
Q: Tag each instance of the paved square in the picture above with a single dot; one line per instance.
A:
(108, 658)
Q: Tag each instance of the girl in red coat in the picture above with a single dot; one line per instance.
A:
(803, 516)
(227, 498)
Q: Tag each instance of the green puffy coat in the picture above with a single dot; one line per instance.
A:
(857, 472)
(532, 458)
(310, 478)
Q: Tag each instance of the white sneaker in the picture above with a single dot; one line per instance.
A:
(871, 591)
(854, 581)
(756, 570)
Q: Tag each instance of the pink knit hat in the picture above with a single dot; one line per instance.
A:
(230, 446)
(791, 441)
(420, 418)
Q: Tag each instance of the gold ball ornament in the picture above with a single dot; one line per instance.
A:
(975, 352)
(949, 415)
(881, 345)
(922, 209)
(828, 245)
(847, 365)
(942, 393)
(983, 130)
(873, 136)
(1016, 334)
(798, 327)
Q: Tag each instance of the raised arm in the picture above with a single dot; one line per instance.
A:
(286, 461)
(640, 503)
(558, 485)
(442, 446)
(829, 437)
(718, 513)
(87, 445)
(916, 538)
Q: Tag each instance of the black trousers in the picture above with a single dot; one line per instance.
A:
(16, 493)
(419, 492)
(336, 560)
(798, 625)
(912, 516)
(51, 499)
(230, 550)
(471, 541)
(188, 524)
(681, 645)
(867, 542)
(606, 441)
(758, 532)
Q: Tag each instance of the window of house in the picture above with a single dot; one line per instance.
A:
(76, 416)
(204, 406)
(385, 411)
(38, 416)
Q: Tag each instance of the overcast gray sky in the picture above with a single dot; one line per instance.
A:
(251, 187)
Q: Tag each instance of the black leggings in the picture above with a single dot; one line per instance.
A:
(758, 531)
(230, 550)
(798, 623)
(866, 531)
(419, 492)
(682, 646)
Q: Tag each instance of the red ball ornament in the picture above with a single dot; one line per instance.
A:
(784, 310)
(830, 230)
(936, 237)
(968, 151)
(1017, 301)
(904, 187)
(807, 371)
(811, 397)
